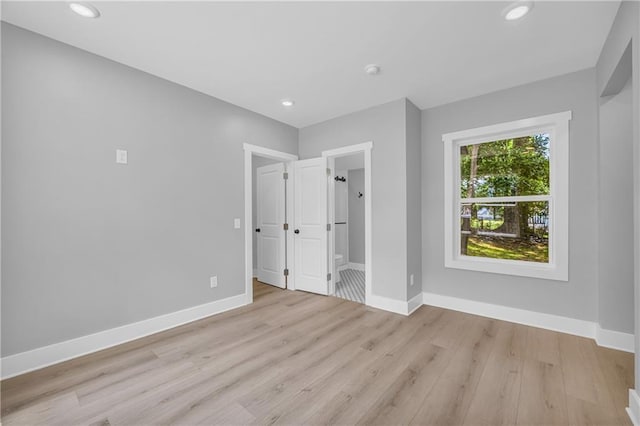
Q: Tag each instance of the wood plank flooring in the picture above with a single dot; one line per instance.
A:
(298, 358)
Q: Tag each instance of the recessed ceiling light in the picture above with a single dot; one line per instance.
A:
(372, 69)
(85, 10)
(517, 10)
(287, 102)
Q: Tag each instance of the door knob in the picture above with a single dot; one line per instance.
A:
(257, 229)
(297, 231)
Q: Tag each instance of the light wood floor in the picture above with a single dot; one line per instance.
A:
(293, 358)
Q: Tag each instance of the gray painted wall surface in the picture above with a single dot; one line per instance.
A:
(576, 298)
(88, 244)
(625, 29)
(636, 170)
(636, 190)
(615, 214)
(355, 182)
(414, 199)
(385, 126)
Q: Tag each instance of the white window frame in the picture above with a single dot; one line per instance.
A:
(557, 126)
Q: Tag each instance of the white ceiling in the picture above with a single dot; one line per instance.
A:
(255, 54)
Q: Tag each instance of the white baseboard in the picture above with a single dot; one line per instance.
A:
(356, 266)
(633, 410)
(388, 304)
(35, 359)
(414, 303)
(615, 339)
(607, 338)
(394, 305)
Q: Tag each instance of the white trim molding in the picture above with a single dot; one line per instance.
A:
(347, 150)
(633, 410)
(414, 303)
(614, 339)
(606, 338)
(388, 304)
(269, 153)
(45, 356)
(394, 305)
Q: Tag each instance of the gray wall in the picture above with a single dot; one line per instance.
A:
(576, 298)
(355, 182)
(615, 214)
(625, 30)
(255, 163)
(385, 126)
(90, 245)
(414, 199)
(636, 189)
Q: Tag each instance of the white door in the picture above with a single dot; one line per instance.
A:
(270, 224)
(310, 225)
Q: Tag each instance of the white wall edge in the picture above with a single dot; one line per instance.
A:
(414, 303)
(633, 410)
(255, 273)
(356, 266)
(615, 339)
(45, 356)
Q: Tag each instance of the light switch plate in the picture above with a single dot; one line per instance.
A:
(121, 156)
(236, 223)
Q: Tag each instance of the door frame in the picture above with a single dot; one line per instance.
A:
(331, 155)
(249, 151)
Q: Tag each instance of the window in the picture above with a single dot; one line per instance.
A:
(506, 198)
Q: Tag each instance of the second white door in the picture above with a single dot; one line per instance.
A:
(310, 233)
(270, 224)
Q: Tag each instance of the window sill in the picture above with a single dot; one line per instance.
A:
(509, 267)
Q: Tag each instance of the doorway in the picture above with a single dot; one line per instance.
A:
(269, 215)
(349, 202)
(309, 242)
(255, 157)
(348, 222)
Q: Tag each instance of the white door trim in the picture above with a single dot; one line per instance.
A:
(366, 148)
(331, 218)
(249, 151)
